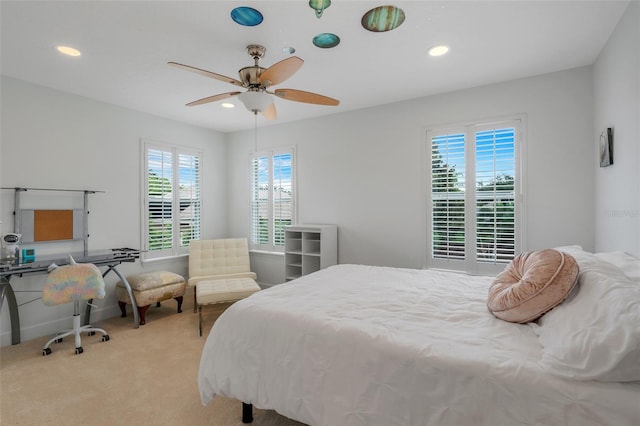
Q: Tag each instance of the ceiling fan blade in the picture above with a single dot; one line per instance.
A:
(208, 74)
(306, 97)
(280, 71)
(213, 98)
(270, 112)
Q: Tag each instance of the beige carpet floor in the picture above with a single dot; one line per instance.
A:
(144, 376)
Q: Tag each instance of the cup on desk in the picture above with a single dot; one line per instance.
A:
(28, 255)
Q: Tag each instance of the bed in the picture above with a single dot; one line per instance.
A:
(366, 345)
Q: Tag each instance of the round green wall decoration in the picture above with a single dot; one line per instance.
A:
(383, 18)
(326, 40)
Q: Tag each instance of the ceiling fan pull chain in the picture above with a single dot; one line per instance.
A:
(255, 132)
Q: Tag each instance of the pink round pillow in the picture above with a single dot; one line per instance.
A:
(532, 284)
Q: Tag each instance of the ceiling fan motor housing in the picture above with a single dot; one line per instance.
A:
(250, 76)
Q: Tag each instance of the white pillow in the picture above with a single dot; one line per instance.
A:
(628, 263)
(595, 333)
(569, 249)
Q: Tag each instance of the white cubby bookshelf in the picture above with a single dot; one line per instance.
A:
(309, 248)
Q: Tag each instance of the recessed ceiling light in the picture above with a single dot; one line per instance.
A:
(290, 50)
(68, 50)
(438, 50)
(228, 105)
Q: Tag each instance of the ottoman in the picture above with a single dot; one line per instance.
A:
(148, 288)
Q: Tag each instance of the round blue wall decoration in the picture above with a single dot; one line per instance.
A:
(247, 16)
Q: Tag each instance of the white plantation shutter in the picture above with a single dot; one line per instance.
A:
(159, 201)
(260, 200)
(447, 196)
(282, 196)
(495, 195)
(172, 200)
(190, 198)
(272, 198)
(473, 199)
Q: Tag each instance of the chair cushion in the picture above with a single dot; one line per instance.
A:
(151, 280)
(230, 290)
(147, 297)
(68, 283)
(194, 280)
(533, 283)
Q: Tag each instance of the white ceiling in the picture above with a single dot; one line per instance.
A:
(126, 45)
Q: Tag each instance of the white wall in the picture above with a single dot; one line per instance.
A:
(617, 105)
(52, 139)
(365, 170)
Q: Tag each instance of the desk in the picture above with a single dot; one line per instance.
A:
(109, 258)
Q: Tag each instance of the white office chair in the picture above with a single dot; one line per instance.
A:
(73, 283)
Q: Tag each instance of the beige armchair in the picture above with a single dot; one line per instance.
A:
(220, 272)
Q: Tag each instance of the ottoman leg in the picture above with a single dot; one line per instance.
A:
(158, 305)
(195, 301)
(141, 311)
(179, 300)
(123, 309)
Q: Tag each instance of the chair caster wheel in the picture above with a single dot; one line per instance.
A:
(105, 338)
(46, 351)
(58, 340)
(91, 333)
(79, 350)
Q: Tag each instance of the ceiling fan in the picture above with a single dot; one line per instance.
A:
(257, 81)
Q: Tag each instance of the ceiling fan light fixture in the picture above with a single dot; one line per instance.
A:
(319, 6)
(438, 50)
(255, 101)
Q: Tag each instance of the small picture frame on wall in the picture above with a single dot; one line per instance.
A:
(606, 147)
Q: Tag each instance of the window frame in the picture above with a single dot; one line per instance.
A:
(176, 151)
(470, 264)
(271, 247)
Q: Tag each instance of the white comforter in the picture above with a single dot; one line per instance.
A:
(363, 345)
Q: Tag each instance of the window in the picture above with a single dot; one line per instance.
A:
(474, 201)
(272, 198)
(172, 201)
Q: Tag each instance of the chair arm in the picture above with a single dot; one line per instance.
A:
(195, 280)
